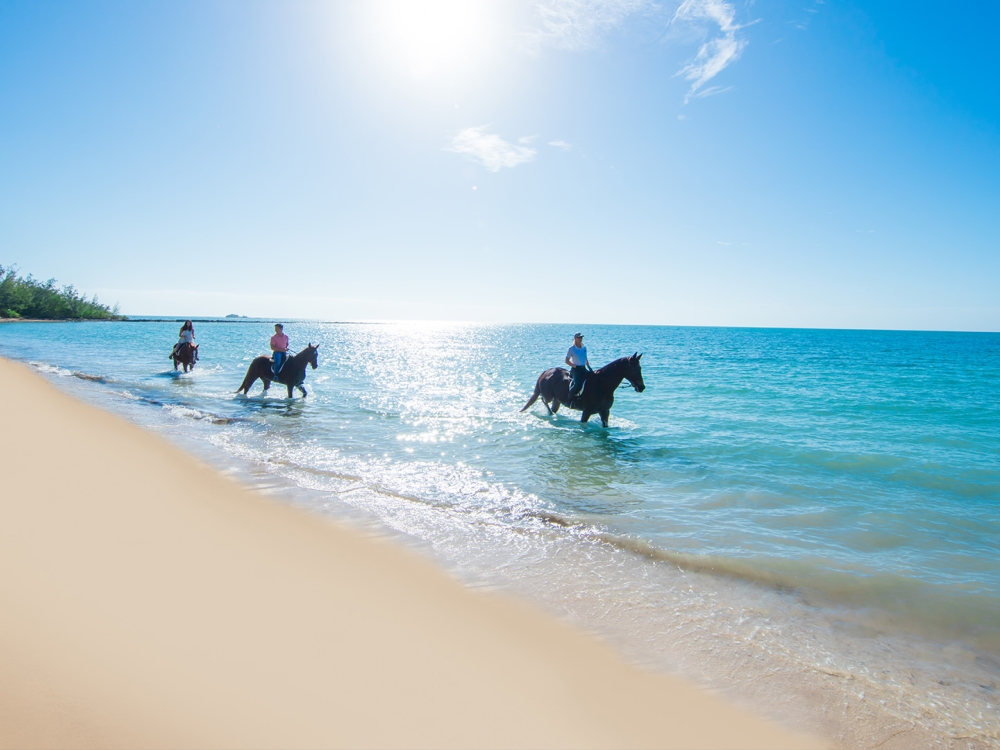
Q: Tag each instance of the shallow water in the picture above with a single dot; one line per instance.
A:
(817, 504)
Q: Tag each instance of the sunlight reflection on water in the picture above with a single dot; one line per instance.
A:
(859, 470)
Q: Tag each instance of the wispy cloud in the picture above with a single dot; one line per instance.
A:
(561, 144)
(803, 23)
(712, 91)
(492, 151)
(580, 24)
(718, 52)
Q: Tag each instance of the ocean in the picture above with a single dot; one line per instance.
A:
(804, 520)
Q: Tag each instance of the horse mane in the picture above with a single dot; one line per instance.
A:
(613, 365)
(304, 351)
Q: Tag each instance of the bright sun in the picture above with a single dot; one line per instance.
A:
(434, 37)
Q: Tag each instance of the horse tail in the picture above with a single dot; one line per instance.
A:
(248, 382)
(534, 396)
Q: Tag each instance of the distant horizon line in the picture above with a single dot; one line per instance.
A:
(385, 321)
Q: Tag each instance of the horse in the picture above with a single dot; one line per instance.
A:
(292, 374)
(186, 354)
(598, 393)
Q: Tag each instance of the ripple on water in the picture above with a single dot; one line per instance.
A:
(803, 515)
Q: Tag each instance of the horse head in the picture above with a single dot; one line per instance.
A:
(312, 357)
(633, 373)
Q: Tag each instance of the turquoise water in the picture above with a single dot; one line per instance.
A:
(854, 474)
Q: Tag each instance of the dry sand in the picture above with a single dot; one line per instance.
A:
(148, 601)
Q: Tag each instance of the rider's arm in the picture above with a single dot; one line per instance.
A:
(568, 362)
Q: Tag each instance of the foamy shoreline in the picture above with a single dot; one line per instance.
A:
(150, 601)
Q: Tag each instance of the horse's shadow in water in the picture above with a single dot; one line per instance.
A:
(178, 380)
(282, 407)
(605, 453)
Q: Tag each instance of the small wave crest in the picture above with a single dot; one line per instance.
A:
(66, 373)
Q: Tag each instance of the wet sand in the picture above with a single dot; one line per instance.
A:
(149, 601)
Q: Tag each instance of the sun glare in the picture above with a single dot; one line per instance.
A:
(437, 37)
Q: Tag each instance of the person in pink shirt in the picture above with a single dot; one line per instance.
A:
(279, 345)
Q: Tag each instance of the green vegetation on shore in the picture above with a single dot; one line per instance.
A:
(22, 297)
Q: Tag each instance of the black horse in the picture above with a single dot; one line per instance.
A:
(292, 375)
(598, 393)
(186, 354)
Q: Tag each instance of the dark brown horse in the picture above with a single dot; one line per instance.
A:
(185, 354)
(292, 375)
(598, 393)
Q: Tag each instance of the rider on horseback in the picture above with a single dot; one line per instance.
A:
(186, 336)
(576, 358)
(279, 345)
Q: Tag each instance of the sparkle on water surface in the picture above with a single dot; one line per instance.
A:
(838, 479)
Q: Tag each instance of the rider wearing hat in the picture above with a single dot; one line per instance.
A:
(577, 360)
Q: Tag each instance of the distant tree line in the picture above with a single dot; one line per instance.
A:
(22, 297)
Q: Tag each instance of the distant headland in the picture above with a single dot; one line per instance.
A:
(26, 298)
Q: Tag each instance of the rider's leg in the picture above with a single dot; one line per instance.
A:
(276, 361)
(577, 375)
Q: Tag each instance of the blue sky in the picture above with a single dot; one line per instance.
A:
(825, 164)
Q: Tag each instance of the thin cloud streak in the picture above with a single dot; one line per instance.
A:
(561, 145)
(489, 149)
(712, 91)
(580, 24)
(717, 53)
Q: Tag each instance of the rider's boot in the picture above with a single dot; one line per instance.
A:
(574, 399)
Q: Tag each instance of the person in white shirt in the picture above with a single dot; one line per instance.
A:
(186, 336)
(578, 363)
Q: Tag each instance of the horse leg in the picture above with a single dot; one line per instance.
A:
(605, 413)
(302, 389)
(586, 415)
(555, 406)
(549, 407)
(290, 391)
